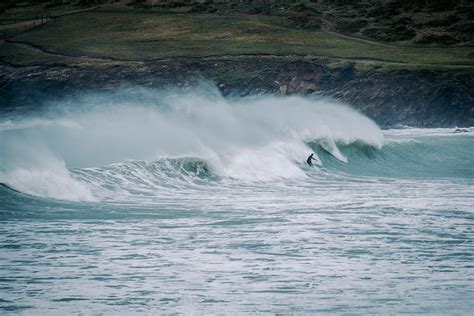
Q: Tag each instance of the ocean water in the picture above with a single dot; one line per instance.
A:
(172, 201)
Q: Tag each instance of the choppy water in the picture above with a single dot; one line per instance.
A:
(232, 221)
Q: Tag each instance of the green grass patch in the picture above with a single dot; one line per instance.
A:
(138, 36)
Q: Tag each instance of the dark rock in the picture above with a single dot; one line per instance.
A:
(398, 97)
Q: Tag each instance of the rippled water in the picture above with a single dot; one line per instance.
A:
(203, 205)
(333, 242)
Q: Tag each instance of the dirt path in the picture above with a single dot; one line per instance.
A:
(100, 59)
(92, 58)
(39, 49)
(327, 25)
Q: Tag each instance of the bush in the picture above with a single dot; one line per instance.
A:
(173, 5)
(466, 27)
(383, 12)
(447, 21)
(443, 39)
(303, 8)
(307, 21)
(403, 21)
(199, 8)
(444, 5)
(53, 4)
(351, 26)
(399, 33)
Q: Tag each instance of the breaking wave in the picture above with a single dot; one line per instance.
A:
(147, 141)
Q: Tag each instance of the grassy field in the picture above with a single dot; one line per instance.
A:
(138, 36)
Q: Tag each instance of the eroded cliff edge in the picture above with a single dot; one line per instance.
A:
(424, 98)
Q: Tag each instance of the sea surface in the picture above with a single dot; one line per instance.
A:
(164, 202)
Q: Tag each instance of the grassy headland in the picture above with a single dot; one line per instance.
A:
(131, 35)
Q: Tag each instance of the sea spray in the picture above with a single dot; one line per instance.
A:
(27, 164)
(256, 138)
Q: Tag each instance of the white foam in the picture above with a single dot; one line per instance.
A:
(31, 168)
(57, 184)
(419, 132)
(254, 138)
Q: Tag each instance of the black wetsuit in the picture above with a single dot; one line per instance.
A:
(309, 160)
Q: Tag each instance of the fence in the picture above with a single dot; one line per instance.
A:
(12, 27)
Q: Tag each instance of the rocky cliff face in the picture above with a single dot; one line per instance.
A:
(425, 98)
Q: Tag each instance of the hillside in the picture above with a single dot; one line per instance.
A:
(144, 36)
(304, 48)
(434, 22)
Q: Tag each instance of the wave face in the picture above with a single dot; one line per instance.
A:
(446, 154)
(258, 138)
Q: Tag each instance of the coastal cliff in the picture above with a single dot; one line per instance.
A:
(424, 98)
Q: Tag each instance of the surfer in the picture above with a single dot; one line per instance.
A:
(310, 160)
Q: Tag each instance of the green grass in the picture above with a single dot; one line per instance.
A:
(23, 57)
(136, 36)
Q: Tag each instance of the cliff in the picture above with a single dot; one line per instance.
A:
(416, 97)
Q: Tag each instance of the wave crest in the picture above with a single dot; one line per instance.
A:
(257, 138)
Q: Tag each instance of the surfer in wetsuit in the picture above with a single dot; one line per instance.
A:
(310, 160)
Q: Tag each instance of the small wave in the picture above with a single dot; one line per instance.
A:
(407, 131)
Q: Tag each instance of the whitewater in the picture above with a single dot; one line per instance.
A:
(181, 200)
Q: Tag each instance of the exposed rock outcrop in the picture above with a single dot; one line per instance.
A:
(390, 97)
